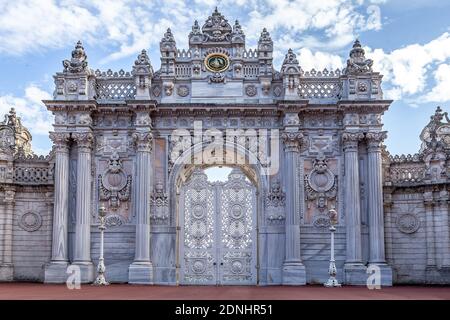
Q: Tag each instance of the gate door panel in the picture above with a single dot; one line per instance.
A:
(198, 248)
(218, 231)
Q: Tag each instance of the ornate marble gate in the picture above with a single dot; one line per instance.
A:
(218, 231)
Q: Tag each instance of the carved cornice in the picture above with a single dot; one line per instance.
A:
(143, 141)
(60, 141)
(292, 140)
(70, 105)
(84, 140)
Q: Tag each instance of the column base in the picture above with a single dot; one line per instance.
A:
(6, 272)
(294, 274)
(56, 272)
(355, 274)
(385, 273)
(87, 271)
(140, 273)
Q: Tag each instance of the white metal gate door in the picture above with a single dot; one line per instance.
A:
(218, 233)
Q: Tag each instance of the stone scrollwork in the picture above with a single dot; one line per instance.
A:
(114, 184)
(320, 184)
(350, 139)
(292, 140)
(275, 204)
(143, 141)
(84, 139)
(159, 205)
(251, 90)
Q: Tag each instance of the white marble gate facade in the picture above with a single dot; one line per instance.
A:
(308, 141)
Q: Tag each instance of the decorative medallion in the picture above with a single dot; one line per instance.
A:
(183, 91)
(217, 62)
(321, 221)
(251, 90)
(408, 223)
(114, 221)
(30, 221)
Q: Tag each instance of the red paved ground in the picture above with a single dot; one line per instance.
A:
(36, 291)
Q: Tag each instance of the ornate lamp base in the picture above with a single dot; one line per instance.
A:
(332, 282)
(100, 281)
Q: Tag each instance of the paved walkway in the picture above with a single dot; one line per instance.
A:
(36, 291)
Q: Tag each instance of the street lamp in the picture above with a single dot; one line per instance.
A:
(332, 281)
(100, 280)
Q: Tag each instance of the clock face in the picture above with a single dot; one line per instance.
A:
(217, 62)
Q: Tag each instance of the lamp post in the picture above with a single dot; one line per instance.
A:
(332, 281)
(100, 280)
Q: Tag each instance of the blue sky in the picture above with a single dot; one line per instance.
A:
(408, 39)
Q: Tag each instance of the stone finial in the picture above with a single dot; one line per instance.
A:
(195, 29)
(216, 28)
(142, 65)
(265, 36)
(290, 63)
(358, 62)
(168, 41)
(78, 62)
(237, 29)
(17, 137)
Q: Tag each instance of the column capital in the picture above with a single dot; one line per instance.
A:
(351, 140)
(84, 140)
(143, 141)
(10, 194)
(374, 140)
(292, 140)
(60, 141)
(428, 199)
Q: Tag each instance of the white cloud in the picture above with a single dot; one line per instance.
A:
(130, 25)
(30, 109)
(319, 60)
(441, 92)
(406, 69)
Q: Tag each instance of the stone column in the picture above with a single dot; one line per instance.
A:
(141, 270)
(375, 207)
(6, 266)
(293, 268)
(354, 270)
(428, 203)
(82, 252)
(55, 271)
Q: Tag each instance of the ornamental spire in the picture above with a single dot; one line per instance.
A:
(78, 63)
(358, 62)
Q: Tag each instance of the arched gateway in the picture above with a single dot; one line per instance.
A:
(299, 142)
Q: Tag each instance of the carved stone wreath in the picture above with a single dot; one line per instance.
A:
(114, 184)
(408, 223)
(320, 184)
(251, 90)
(30, 221)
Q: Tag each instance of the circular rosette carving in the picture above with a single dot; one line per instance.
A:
(198, 212)
(30, 221)
(408, 223)
(236, 212)
(236, 266)
(199, 266)
(237, 230)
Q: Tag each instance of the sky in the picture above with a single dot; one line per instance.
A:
(409, 41)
